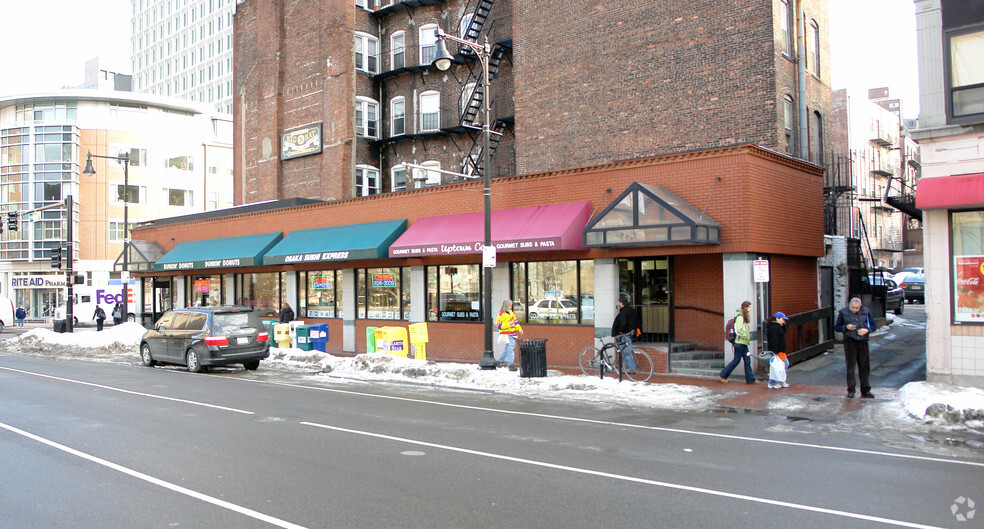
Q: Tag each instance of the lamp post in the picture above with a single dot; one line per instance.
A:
(124, 160)
(442, 61)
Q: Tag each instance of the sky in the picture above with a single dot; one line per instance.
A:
(46, 44)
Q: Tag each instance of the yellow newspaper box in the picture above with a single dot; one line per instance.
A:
(281, 335)
(392, 340)
(418, 338)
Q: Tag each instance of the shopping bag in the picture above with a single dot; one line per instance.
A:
(503, 339)
(777, 369)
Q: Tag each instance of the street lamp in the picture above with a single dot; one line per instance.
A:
(442, 61)
(124, 160)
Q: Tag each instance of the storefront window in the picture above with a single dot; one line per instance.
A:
(556, 292)
(206, 291)
(454, 293)
(322, 297)
(968, 266)
(262, 292)
(383, 293)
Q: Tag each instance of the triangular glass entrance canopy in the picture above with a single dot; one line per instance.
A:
(142, 256)
(645, 215)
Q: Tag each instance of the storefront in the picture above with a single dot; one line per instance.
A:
(40, 293)
(624, 229)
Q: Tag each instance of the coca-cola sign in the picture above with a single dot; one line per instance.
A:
(969, 288)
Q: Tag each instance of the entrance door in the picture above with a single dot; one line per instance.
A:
(646, 281)
(161, 298)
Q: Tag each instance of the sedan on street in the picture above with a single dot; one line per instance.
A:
(914, 286)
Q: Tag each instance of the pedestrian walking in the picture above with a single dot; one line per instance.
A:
(775, 342)
(286, 314)
(20, 314)
(627, 322)
(856, 322)
(100, 316)
(743, 336)
(118, 313)
(508, 327)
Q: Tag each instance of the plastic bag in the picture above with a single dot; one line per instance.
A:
(777, 369)
(503, 339)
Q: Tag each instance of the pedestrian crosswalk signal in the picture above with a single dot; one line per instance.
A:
(56, 256)
(12, 221)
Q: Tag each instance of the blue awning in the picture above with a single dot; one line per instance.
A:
(226, 252)
(370, 240)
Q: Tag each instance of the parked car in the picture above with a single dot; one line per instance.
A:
(894, 295)
(553, 309)
(198, 337)
(914, 286)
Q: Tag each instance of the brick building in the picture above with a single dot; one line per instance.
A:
(647, 149)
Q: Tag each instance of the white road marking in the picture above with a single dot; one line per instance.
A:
(155, 481)
(640, 426)
(620, 477)
(129, 392)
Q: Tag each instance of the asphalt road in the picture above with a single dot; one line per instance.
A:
(98, 445)
(898, 356)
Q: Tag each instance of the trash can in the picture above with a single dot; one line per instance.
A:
(319, 337)
(533, 358)
(281, 335)
(370, 339)
(60, 325)
(303, 333)
(392, 340)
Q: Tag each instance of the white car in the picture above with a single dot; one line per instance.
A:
(553, 309)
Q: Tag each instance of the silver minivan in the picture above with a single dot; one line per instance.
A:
(198, 337)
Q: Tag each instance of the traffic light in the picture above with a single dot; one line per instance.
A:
(12, 221)
(56, 256)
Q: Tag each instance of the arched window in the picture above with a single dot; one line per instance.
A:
(398, 50)
(466, 96)
(366, 53)
(428, 44)
(788, 124)
(816, 139)
(398, 178)
(813, 42)
(366, 180)
(366, 117)
(428, 178)
(430, 111)
(398, 116)
(465, 22)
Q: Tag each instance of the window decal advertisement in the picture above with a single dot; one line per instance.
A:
(969, 285)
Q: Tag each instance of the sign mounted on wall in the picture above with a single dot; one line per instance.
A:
(300, 141)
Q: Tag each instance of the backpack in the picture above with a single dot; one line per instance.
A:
(729, 331)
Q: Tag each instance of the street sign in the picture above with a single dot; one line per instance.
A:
(760, 269)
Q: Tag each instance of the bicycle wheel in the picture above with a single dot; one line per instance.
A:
(644, 367)
(590, 361)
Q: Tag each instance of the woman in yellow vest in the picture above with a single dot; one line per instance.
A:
(508, 327)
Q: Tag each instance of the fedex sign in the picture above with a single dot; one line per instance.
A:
(113, 297)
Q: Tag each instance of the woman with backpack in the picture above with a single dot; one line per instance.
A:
(742, 338)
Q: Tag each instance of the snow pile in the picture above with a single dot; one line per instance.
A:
(944, 404)
(389, 368)
(107, 345)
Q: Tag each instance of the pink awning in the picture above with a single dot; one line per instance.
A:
(530, 229)
(950, 191)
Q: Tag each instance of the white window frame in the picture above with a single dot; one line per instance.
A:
(427, 47)
(466, 98)
(366, 53)
(366, 117)
(188, 198)
(431, 98)
(366, 180)
(429, 178)
(400, 115)
(394, 186)
(398, 50)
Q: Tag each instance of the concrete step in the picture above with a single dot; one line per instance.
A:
(697, 364)
(698, 372)
(698, 355)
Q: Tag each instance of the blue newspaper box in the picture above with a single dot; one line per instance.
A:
(319, 337)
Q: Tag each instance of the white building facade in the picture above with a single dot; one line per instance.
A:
(951, 191)
(183, 48)
(180, 162)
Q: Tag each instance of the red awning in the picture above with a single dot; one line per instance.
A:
(530, 229)
(956, 191)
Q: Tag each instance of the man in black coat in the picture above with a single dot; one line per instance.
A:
(627, 321)
(857, 324)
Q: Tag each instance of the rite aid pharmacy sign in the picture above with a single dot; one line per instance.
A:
(38, 282)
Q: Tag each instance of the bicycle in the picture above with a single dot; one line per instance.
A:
(595, 361)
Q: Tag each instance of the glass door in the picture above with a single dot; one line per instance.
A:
(646, 282)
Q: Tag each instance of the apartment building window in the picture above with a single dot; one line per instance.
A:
(134, 194)
(431, 175)
(814, 43)
(366, 53)
(465, 23)
(398, 116)
(116, 231)
(430, 111)
(788, 124)
(398, 50)
(398, 178)
(428, 44)
(785, 23)
(965, 77)
(816, 139)
(466, 97)
(366, 117)
(366, 180)
(179, 197)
